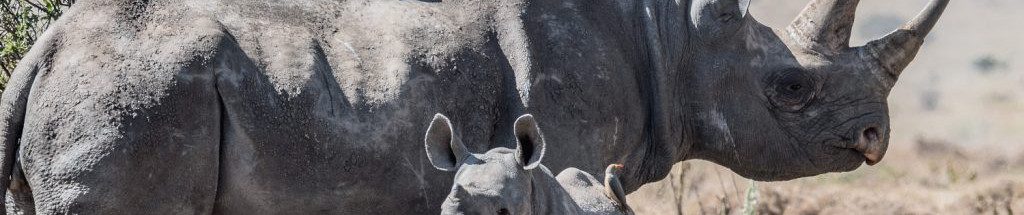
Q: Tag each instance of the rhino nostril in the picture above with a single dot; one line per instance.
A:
(871, 135)
(870, 145)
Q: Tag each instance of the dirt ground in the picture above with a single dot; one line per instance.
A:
(929, 177)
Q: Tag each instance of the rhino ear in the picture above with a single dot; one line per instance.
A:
(529, 142)
(444, 150)
(744, 6)
(714, 19)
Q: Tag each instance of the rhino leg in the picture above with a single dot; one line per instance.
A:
(161, 158)
(125, 126)
(13, 109)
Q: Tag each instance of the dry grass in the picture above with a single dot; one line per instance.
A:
(928, 177)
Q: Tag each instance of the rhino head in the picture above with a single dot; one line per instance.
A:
(777, 104)
(500, 181)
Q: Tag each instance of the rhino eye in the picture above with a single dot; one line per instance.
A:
(795, 87)
(503, 211)
(790, 90)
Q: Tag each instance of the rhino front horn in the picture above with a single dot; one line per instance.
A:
(895, 51)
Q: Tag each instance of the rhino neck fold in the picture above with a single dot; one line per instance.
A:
(662, 79)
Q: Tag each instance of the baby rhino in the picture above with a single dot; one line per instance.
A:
(512, 181)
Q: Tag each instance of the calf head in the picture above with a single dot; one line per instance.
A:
(780, 104)
(498, 181)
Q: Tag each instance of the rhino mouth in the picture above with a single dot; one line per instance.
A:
(868, 158)
(868, 145)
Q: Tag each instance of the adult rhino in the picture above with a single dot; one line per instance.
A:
(317, 106)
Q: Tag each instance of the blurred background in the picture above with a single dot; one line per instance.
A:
(957, 121)
(957, 141)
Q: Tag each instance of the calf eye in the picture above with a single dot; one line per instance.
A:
(791, 89)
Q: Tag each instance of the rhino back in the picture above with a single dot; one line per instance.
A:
(311, 106)
(323, 115)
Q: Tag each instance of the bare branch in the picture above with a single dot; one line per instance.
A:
(7, 71)
(43, 9)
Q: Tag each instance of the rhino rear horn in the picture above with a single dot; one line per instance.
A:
(824, 25)
(444, 150)
(529, 142)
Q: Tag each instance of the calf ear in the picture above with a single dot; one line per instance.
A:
(444, 150)
(529, 142)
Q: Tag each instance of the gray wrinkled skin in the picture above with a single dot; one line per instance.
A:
(312, 106)
(507, 181)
